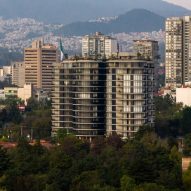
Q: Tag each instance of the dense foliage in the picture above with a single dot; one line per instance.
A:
(35, 121)
(146, 163)
(172, 120)
(150, 162)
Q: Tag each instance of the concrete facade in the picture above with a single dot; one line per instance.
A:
(183, 95)
(38, 60)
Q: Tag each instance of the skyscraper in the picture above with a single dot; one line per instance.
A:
(38, 61)
(129, 95)
(95, 97)
(78, 97)
(178, 51)
(149, 49)
(98, 45)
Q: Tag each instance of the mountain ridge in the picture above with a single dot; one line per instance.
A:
(136, 20)
(65, 12)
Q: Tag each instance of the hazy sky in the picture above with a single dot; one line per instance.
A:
(184, 3)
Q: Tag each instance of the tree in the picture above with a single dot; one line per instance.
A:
(4, 161)
(127, 183)
(150, 187)
(86, 181)
(187, 145)
(187, 179)
(186, 121)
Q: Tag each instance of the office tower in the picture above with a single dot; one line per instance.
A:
(130, 88)
(18, 74)
(94, 97)
(178, 51)
(98, 45)
(149, 49)
(78, 98)
(38, 60)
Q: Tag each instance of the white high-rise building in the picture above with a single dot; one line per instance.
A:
(178, 51)
(98, 45)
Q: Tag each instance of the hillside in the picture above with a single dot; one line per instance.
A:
(68, 11)
(7, 57)
(138, 20)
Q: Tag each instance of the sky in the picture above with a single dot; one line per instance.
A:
(183, 3)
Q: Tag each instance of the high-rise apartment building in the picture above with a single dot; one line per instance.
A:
(78, 97)
(95, 97)
(149, 49)
(129, 95)
(178, 51)
(18, 74)
(98, 45)
(39, 59)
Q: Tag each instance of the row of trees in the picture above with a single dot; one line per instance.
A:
(34, 121)
(173, 121)
(146, 163)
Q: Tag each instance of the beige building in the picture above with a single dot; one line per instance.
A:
(25, 92)
(98, 45)
(1, 72)
(95, 97)
(149, 49)
(38, 60)
(183, 95)
(18, 73)
(129, 95)
(178, 51)
(6, 70)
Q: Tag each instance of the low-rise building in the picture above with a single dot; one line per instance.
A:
(10, 92)
(183, 95)
(25, 93)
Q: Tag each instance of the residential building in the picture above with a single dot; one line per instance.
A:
(18, 73)
(25, 92)
(38, 60)
(1, 72)
(149, 49)
(98, 45)
(5, 74)
(129, 95)
(78, 98)
(10, 92)
(95, 97)
(183, 96)
(2, 95)
(6, 70)
(41, 95)
(178, 51)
